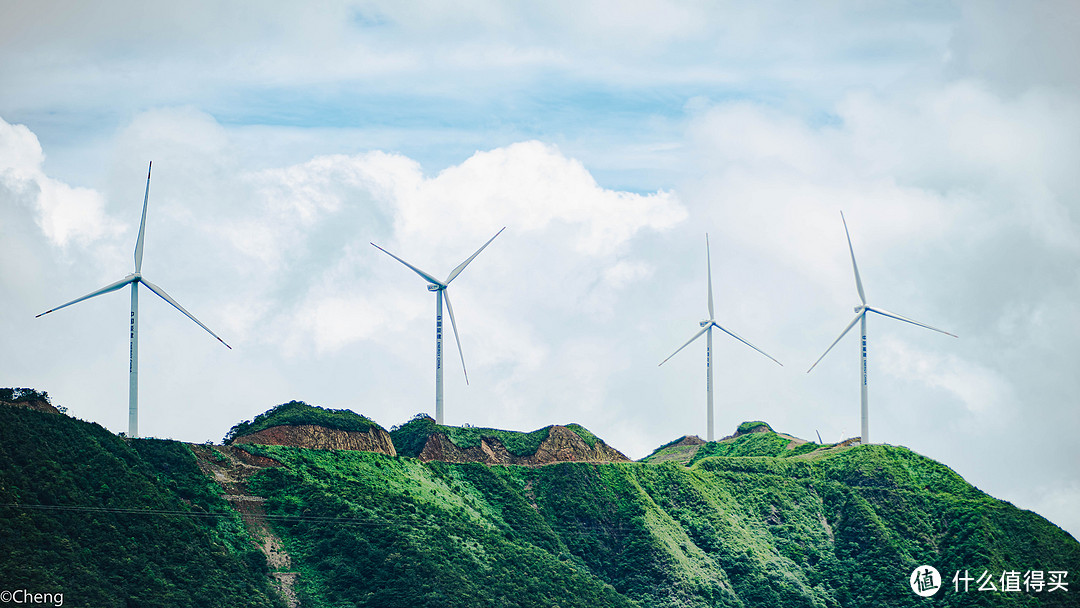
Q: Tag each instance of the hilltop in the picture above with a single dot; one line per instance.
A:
(691, 448)
(28, 398)
(422, 438)
(756, 519)
(300, 425)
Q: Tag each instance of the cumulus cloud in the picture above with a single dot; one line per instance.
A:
(65, 214)
(435, 222)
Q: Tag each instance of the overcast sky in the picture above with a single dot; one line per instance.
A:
(609, 137)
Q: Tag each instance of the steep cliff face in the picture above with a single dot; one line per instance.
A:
(561, 445)
(316, 437)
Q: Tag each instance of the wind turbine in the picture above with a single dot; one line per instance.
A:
(860, 317)
(439, 287)
(706, 328)
(134, 279)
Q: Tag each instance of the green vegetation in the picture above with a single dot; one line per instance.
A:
(755, 444)
(839, 527)
(109, 522)
(750, 426)
(369, 530)
(409, 439)
(586, 436)
(748, 523)
(296, 413)
(673, 451)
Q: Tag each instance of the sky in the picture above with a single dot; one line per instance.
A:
(608, 138)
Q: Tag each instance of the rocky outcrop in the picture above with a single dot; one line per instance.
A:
(29, 398)
(321, 438)
(561, 445)
(39, 405)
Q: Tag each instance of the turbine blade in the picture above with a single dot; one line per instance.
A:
(164, 296)
(858, 280)
(893, 315)
(733, 335)
(427, 277)
(842, 334)
(142, 224)
(453, 323)
(696, 336)
(106, 289)
(457, 271)
(708, 263)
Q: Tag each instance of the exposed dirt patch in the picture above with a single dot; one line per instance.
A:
(561, 445)
(322, 438)
(39, 405)
(231, 468)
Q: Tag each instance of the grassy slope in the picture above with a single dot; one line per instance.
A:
(112, 552)
(837, 528)
(406, 533)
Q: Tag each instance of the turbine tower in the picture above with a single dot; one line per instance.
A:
(134, 279)
(706, 328)
(439, 287)
(860, 317)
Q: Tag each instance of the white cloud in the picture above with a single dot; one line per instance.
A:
(542, 196)
(950, 138)
(64, 213)
(984, 393)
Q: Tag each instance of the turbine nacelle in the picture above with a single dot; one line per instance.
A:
(134, 279)
(441, 294)
(706, 330)
(860, 316)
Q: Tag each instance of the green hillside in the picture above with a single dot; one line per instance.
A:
(751, 521)
(841, 529)
(109, 522)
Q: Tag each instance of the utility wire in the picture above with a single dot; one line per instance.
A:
(329, 519)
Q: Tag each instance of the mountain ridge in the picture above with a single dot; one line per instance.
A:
(748, 521)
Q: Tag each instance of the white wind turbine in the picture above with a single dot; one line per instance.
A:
(706, 328)
(439, 287)
(134, 279)
(860, 317)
